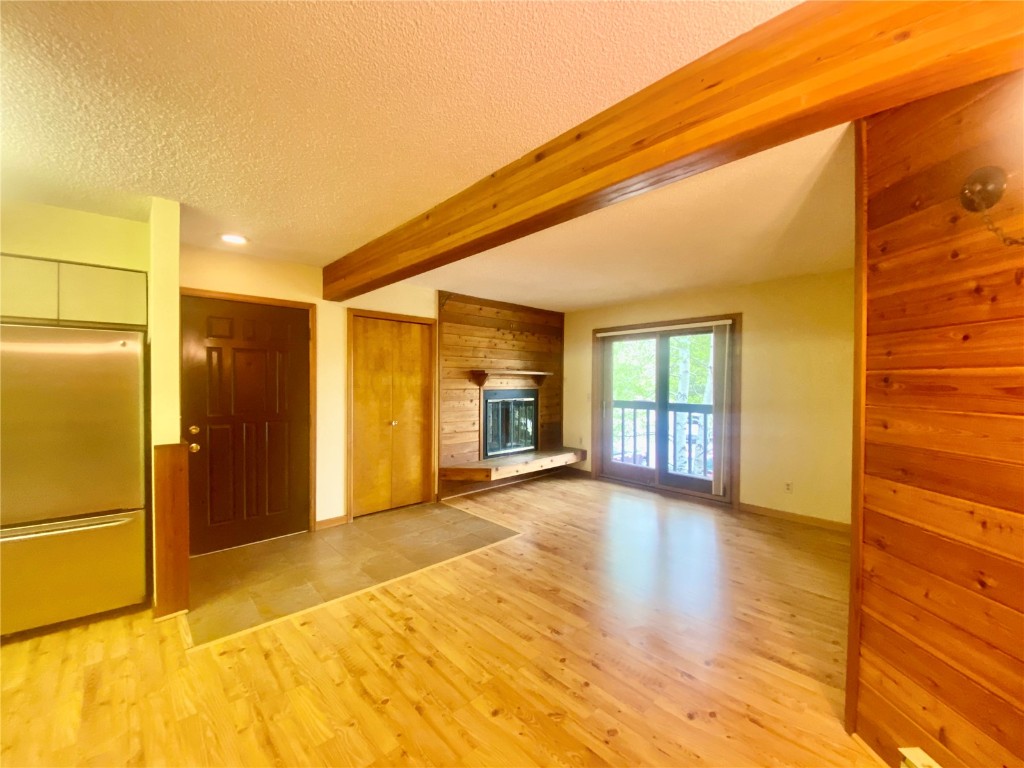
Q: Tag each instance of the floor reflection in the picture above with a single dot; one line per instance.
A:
(660, 557)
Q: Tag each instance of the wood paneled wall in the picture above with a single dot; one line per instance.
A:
(170, 520)
(481, 334)
(937, 636)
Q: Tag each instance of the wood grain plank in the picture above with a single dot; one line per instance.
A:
(982, 527)
(170, 529)
(953, 119)
(997, 437)
(975, 345)
(989, 482)
(981, 572)
(944, 725)
(998, 626)
(885, 728)
(969, 390)
(809, 68)
(996, 295)
(996, 671)
(996, 717)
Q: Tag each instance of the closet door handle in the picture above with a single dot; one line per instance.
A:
(394, 423)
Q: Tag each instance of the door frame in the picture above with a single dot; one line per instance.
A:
(431, 462)
(732, 436)
(201, 293)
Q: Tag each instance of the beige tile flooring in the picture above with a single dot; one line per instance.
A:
(241, 588)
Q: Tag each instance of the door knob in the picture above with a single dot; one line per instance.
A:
(394, 423)
(193, 430)
(193, 448)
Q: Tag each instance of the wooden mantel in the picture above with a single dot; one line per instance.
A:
(815, 66)
(480, 376)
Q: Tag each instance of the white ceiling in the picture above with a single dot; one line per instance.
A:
(314, 127)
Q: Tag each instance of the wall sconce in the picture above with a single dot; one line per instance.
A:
(982, 190)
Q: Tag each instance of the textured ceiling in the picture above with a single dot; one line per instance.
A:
(314, 127)
(783, 212)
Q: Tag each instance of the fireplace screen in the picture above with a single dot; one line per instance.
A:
(510, 421)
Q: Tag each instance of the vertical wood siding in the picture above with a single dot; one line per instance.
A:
(481, 334)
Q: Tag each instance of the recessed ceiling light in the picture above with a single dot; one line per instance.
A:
(234, 239)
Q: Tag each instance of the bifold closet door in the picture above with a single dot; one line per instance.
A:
(391, 407)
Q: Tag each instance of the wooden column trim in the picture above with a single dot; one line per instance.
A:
(859, 378)
(170, 523)
(815, 66)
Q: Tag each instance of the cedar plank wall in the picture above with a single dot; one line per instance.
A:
(480, 334)
(941, 635)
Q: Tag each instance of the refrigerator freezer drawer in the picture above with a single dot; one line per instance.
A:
(56, 571)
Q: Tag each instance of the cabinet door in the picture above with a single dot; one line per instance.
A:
(102, 295)
(28, 288)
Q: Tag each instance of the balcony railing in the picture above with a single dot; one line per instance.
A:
(690, 436)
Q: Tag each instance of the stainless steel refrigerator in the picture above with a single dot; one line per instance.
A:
(72, 473)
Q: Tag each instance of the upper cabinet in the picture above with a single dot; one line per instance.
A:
(50, 290)
(28, 288)
(100, 295)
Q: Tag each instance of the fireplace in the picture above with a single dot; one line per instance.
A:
(509, 421)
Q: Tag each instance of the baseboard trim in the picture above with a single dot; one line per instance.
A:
(576, 472)
(330, 522)
(817, 522)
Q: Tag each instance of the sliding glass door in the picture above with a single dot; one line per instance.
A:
(665, 407)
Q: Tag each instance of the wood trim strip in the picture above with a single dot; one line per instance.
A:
(311, 309)
(859, 393)
(202, 293)
(170, 530)
(815, 66)
(778, 514)
(375, 315)
(330, 522)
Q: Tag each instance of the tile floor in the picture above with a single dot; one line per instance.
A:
(243, 587)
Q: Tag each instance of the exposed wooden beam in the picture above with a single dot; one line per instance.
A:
(813, 67)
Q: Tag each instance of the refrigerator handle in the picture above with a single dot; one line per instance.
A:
(69, 529)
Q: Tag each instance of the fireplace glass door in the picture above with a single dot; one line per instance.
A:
(510, 421)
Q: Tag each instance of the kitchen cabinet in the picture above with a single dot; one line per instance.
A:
(102, 295)
(28, 288)
(50, 290)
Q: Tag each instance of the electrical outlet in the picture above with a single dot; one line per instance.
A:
(789, 486)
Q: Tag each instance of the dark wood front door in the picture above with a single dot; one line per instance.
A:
(245, 411)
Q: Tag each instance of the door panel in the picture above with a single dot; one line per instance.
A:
(686, 412)
(630, 439)
(411, 404)
(245, 387)
(372, 345)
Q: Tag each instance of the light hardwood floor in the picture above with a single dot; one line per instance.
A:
(622, 628)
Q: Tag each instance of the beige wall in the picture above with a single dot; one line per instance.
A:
(63, 234)
(797, 384)
(253, 276)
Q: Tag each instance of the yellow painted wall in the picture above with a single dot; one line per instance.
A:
(164, 325)
(796, 392)
(62, 234)
(253, 276)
